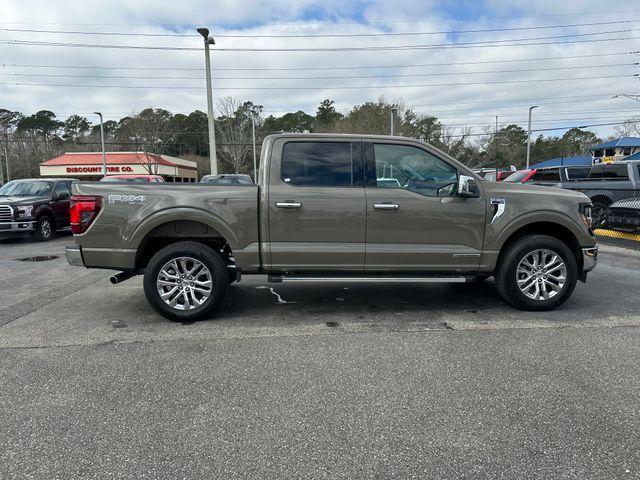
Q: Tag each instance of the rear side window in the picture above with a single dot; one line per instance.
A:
(61, 187)
(616, 172)
(596, 172)
(574, 173)
(321, 164)
(549, 175)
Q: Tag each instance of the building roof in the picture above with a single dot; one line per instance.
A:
(113, 158)
(619, 142)
(564, 161)
(635, 156)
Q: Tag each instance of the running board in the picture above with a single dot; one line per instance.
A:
(372, 279)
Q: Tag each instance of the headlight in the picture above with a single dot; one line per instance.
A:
(25, 210)
(585, 215)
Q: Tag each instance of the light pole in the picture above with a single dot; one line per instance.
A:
(394, 110)
(529, 135)
(212, 132)
(104, 152)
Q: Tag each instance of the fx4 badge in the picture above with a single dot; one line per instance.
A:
(127, 199)
(500, 204)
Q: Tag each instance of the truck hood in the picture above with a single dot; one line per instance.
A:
(507, 189)
(18, 200)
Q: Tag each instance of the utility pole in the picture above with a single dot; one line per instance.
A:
(104, 152)
(212, 131)
(253, 135)
(394, 110)
(529, 135)
(6, 159)
(496, 124)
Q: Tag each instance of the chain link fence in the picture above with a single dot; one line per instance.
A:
(616, 216)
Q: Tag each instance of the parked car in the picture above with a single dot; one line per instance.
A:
(37, 206)
(227, 179)
(607, 183)
(133, 178)
(624, 215)
(318, 214)
(552, 176)
(520, 176)
(493, 174)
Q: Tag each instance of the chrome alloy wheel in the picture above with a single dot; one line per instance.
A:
(45, 228)
(184, 283)
(541, 274)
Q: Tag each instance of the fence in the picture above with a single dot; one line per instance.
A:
(616, 216)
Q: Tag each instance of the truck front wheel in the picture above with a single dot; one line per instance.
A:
(186, 281)
(537, 272)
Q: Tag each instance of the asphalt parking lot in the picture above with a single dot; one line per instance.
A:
(315, 381)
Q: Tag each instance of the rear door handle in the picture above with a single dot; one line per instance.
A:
(288, 204)
(386, 206)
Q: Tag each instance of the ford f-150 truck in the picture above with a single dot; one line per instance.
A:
(336, 207)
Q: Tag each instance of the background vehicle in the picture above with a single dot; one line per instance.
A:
(624, 215)
(493, 174)
(133, 178)
(318, 213)
(227, 179)
(520, 176)
(37, 206)
(552, 176)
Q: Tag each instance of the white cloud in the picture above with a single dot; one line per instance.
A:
(454, 104)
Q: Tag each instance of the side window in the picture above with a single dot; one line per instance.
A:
(548, 175)
(321, 164)
(616, 172)
(596, 172)
(410, 168)
(61, 187)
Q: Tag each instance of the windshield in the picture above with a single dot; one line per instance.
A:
(228, 180)
(27, 189)
(126, 179)
(517, 176)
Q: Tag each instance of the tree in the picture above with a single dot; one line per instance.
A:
(630, 128)
(75, 127)
(578, 141)
(507, 147)
(148, 129)
(296, 122)
(326, 116)
(233, 131)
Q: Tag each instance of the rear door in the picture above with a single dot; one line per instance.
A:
(316, 205)
(416, 221)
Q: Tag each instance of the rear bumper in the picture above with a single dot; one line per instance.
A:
(74, 255)
(16, 227)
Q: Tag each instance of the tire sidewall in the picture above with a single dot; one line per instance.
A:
(200, 252)
(509, 287)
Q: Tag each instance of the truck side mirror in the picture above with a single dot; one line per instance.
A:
(467, 187)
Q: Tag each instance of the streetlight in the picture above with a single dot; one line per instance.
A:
(212, 132)
(529, 135)
(253, 136)
(104, 152)
(394, 110)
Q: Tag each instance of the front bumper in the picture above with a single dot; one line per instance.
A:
(589, 260)
(17, 227)
(74, 255)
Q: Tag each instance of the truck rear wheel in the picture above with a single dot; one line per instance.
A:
(537, 272)
(186, 281)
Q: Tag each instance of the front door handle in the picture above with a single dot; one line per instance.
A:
(288, 204)
(386, 206)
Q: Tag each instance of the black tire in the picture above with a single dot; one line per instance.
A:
(44, 229)
(505, 274)
(209, 258)
(599, 213)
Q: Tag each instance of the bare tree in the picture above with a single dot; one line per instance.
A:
(148, 162)
(630, 128)
(233, 131)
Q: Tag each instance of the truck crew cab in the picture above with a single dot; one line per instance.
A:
(329, 206)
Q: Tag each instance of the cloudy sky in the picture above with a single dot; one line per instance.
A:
(463, 61)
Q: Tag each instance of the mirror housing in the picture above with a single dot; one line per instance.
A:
(468, 187)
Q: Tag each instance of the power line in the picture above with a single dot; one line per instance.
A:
(200, 69)
(446, 46)
(344, 87)
(322, 77)
(319, 35)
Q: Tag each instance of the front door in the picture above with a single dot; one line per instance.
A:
(316, 206)
(416, 221)
(60, 206)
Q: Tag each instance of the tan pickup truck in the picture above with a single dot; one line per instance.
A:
(336, 208)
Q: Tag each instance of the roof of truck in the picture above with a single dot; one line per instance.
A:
(342, 135)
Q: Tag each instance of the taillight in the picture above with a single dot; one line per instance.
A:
(83, 210)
